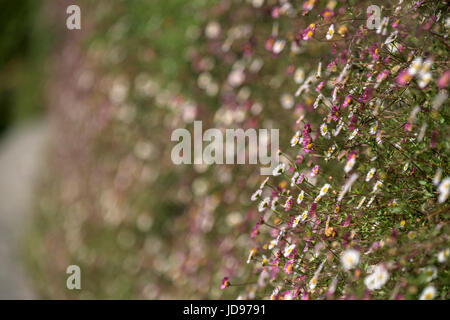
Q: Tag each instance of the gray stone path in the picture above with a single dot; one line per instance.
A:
(21, 156)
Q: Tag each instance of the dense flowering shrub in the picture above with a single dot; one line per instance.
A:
(356, 209)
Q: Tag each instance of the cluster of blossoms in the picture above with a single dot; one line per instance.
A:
(358, 206)
(356, 209)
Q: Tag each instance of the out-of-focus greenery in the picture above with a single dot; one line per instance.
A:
(24, 42)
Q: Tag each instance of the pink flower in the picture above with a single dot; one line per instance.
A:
(309, 32)
(444, 80)
(225, 283)
(404, 77)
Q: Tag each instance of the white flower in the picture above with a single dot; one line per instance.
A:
(370, 174)
(312, 283)
(288, 250)
(300, 197)
(274, 204)
(263, 204)
(299, 76)
(295, 139)
(279, 169)
(437, 177)
(278, 46)
(373, 129)
(256, 195)
(296, 220)
(294, 178)
(405, 167)
(444, 189)
(324, 131)
(416, 65)
(287, 101)
(426, 67)
(350, 259)
(354, 133)
(250, 255)
(350, 163)
(324, 189)
(263, 184)
(212, 29)
(236, 77)
(377, 185)
(361, 202)
(428, 293)
(304, 215)
(430, 273)
(319, 70)
(377, 278)
(330, 32)
(425, 79)
(443, 255)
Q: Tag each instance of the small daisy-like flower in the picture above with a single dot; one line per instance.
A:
(225, 283)
(324, 189)
(377, 185)
(428, 293)
(377, 279)
(294, 179)
(405, 167)
(330, 32)
(287, 101)
(288, 204)
(263, 204)
(278, 46)
(299, 76)
(350, 163)
(263, 184)
(324, 131)
(236, 77)
(300, 197)
(350, 259)
(256, 195)
(313, 283)
(444, 189)
(319, 70)
(361, 202)
(279, 169)
(426, 66)
(296, 220)
(353, 135)
(288, 250)
(373, 128)
(443, 255)
(304, 215)
(314, 171)
(295, 139)
(430, 273)
(425, 79)
(415, 66)
(273, 243)
(404, 77)
(275, 202)
(308, 32)
(370, 174)
(251, 255)
(437, 177)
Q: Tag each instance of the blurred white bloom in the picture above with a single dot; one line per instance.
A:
(443, 255)
(287, 101)
(250, 255)
(299, 75)
(350, 259)
(278, 46)
(236, 77)
(212, 30)
(279, 169)
(428, 293)
(370, 174)
(288, 250)
(256, 195)
(263, 204)
(377, 278)
(444, 189)
(330, 32)
(377, 185)
(415, 66)
(430, 273)
(324, 189)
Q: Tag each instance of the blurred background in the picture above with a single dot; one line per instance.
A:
(85, 125)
